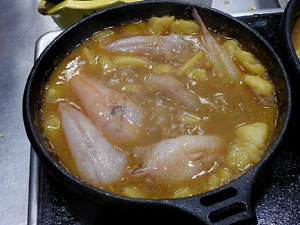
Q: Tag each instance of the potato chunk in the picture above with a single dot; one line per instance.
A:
(130, 28)
(104, 37)
(249, 62)
(225, 175)
(132, 88)
(246, 59)
(134, 28)
(214, 182)
(262, 86)
(182, 192)
(255, 133)
(105, 64)
(242, 154)
(159, 25)
(133, 192)
(130, 61)
(88, 55)
(199, 74)
(163, 68)
(184, 27)
(248, 147)
(231, 46)
(192, 62)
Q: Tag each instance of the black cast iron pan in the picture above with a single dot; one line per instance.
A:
(290, 15)
(232, 203)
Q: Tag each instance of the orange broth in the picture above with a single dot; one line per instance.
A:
(224, 107)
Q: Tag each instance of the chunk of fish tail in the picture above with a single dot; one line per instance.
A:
(170, 47)
(224, 65)
(115, 114)
(97, 161)
(175, 90)
(182, 157)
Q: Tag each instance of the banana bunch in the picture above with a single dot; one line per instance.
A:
(67, 12)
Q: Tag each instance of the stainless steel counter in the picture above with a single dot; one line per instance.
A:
(20, 27)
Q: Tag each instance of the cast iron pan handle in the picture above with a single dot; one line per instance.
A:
(230, 204)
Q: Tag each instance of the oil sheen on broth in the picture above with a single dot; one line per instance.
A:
(161, 108)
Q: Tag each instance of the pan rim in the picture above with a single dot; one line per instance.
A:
(51, 163)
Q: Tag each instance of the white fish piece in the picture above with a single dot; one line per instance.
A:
(182, 157)
(115, 114)
(170, 47)
(97, 161)
(223, 63)
(175, 90)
